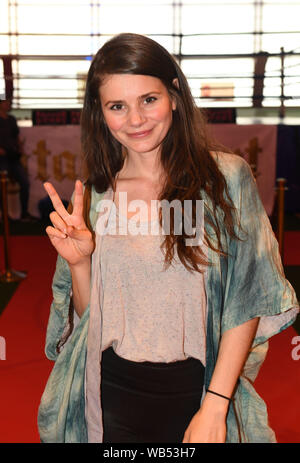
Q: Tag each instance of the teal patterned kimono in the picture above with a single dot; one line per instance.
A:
(249, 283)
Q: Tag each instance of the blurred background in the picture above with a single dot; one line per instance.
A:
(242, 61)
(227, 49)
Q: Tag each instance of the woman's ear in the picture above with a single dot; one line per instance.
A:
(175, 82)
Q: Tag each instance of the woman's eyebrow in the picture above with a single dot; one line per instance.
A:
(113, 102)
(150, 93)
(141, 97)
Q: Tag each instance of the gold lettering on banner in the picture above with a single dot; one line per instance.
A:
(253, 149)
(41, 153)
(24, 157)
(69, 166)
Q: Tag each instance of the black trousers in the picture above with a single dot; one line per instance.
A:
(146, 401)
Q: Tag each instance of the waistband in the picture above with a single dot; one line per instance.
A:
(182, 376)
(110, 353)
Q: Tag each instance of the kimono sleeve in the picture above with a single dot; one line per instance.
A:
(59, 310)
(256, 285)
(58, 321)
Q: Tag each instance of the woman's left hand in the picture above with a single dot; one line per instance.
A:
(206, 427)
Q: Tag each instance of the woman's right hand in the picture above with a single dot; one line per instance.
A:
(69, 234)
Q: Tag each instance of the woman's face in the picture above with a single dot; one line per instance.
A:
(137, 110)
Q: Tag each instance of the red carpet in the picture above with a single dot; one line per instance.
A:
(291, 248)
(26, 369)
(278, 383)
(23, 324)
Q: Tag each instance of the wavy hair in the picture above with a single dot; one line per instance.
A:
(185, 152)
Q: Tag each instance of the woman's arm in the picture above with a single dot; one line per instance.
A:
(81, 280)
(73, 241)
(209, 423)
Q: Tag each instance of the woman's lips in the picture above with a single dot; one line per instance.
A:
(142, 134)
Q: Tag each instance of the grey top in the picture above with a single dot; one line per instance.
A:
(142, 301)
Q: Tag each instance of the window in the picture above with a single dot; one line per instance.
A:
(216, 43)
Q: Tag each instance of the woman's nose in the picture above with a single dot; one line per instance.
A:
(136, 117)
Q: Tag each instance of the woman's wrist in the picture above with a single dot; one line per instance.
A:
(216, 405)
(219, 395)
(84, 262)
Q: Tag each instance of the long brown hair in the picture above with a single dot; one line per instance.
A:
(186, 150)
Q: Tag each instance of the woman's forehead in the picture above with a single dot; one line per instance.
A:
(130, 85)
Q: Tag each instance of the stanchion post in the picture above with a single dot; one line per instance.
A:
(280, 214)
(9, 275)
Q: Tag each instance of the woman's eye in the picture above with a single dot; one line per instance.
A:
(150, 99)
(116, 107)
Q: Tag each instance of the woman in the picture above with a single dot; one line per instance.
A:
(172, 336)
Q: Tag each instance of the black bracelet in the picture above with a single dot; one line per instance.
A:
(220, 395)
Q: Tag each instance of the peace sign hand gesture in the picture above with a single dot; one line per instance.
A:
(69, 234)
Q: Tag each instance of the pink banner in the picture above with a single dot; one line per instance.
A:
(52, 153)
(257, 144)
